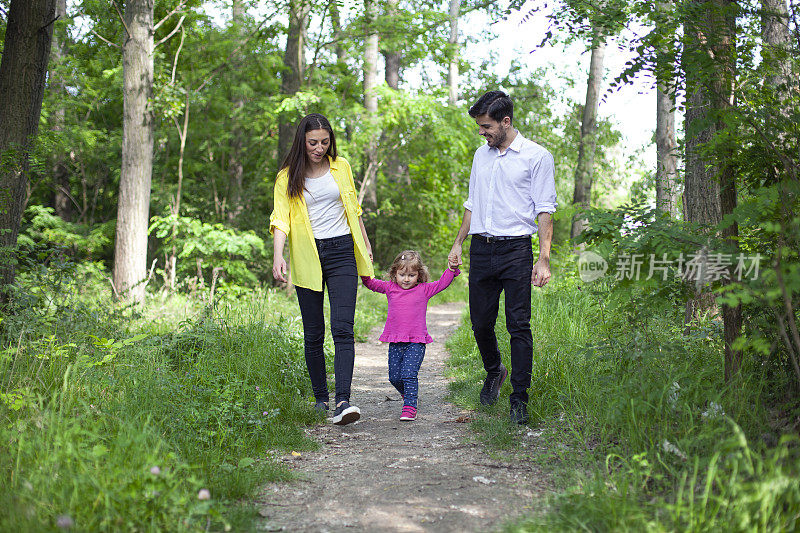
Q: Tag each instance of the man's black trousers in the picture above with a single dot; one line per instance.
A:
(497, 266)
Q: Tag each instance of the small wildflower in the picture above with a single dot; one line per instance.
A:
(257, 387)
(265, 413)
(674, 393)
(667, 446)
(204, 494)
(64, 521)
(714, 410)
(155, 470)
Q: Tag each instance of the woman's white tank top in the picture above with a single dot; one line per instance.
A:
(325, 208)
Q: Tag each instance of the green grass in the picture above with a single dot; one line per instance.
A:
(640, 431)
(115, 419)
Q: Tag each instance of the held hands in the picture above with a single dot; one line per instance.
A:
(452, 263)
(454, 257)
(279, 269)
(540, 274)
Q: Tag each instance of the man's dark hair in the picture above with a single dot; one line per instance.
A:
(496, 104)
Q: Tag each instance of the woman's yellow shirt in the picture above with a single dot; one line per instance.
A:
(291, 217)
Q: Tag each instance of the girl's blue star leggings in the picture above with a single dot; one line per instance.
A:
(405, 358)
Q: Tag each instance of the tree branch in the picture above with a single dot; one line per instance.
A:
(52, 21)
(227, 60)
(173, 32)
(180, 6)
(103, 38)
(417, 31)
(177, 53)
(127, 30)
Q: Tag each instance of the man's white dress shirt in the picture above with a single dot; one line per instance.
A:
(508, 190)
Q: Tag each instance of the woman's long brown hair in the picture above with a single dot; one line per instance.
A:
(297, 159)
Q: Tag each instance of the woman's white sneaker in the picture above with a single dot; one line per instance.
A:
(345, 414)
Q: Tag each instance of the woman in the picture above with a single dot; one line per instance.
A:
(316, 208)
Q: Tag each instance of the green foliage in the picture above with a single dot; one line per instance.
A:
(116, 420)
(41, 226)
(235, 252)
(228, 79)
(636, 419)
(422, 184)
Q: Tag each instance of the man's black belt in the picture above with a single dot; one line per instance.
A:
(491, 238)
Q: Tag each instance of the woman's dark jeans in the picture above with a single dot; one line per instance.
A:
(340, 276)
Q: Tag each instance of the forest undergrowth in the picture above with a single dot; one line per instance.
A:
(634, 418)
(162, 419)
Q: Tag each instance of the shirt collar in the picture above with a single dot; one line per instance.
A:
(516, 144)
(334, 163)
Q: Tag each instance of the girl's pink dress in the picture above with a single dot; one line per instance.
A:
(405, 319)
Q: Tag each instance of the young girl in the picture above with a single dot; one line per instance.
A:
(406, 332)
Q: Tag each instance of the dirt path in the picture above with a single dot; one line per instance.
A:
(383, 475)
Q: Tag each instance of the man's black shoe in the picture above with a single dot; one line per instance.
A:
(491, 387)
(519, 413)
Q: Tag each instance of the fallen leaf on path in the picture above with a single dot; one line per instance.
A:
(481, 479)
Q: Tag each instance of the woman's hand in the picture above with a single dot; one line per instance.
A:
(366, 238)
(279, 269)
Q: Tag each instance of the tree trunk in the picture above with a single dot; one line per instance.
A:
(130, 249)
(235, 165)
(585, 168)
(452, 65)
(294, 60)
(701, 195)
(391, 54)
(776, 41)
(725, 51)
(666, 144)
(701, 199)
(369, 188)
(23, 71)
(336, 26)
(666, 150)
(710, 190)
(392, 60)
(172, 260)
(62, 201)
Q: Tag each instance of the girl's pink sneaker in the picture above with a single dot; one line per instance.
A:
(408, 413)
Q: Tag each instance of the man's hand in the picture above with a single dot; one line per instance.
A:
(454, 258)
(540, 274)
(452, 263)
(279, 269)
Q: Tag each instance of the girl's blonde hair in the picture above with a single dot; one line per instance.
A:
(409, 259)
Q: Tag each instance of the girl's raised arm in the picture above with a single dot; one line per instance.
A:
(443, 282)
(376, 285)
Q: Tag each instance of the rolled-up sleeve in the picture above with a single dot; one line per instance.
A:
(543, 185)
(280, 212)
(354, 199)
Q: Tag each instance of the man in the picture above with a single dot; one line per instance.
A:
(511, 187)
